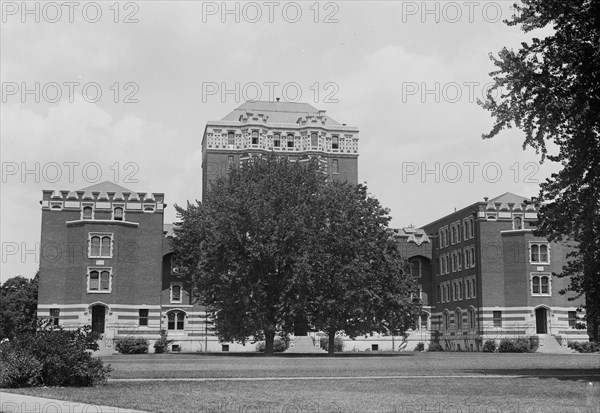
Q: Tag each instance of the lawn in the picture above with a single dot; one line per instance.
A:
(405, 382)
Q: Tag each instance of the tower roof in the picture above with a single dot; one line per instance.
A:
(278, 112)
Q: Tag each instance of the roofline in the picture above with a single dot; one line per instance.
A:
(472, 206)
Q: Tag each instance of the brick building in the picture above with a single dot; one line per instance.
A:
(491, 278)
(106, 258)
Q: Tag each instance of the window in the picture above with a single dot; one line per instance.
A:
(472, 318)
(446, 320)
(466, 228)
(471, 228)
(459, 260)
(118, 214)
(100, 246)
(539, 253)
(458, 231)
(467, 288)
(454, 291)
(290, 141)
(453, 261)
(335, 142)
(55, 316)
(175, 320)
(175, 293)
(467, 257)
(230, 162)
(473, 288)
(472, 257)
(497, 317)
(277, 140)
(439, 294)
(458, 318)
(99, 280)
(148, 208)
(424, 321)
(453, 235)
(416, 268)
(230, 138)
(314, 140)
(87, 213)
(572, 319)
(143, 316)
(334, 166)
(517, 222)
(540, 284)
(460, 290)
(254, 137)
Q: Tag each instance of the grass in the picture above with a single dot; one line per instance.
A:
(550, 383)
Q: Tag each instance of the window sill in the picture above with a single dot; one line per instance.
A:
(98, 292)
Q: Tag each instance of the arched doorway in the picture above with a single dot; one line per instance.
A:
(98, 318)
(541, 320)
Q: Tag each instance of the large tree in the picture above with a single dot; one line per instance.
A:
(355, 280)
(550, 88)
(18, 306)
(242, 244)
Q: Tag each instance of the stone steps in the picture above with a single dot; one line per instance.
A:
(304, 345)
(549, 344)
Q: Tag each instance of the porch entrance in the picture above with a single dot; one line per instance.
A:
(541, 320)
(98, 317)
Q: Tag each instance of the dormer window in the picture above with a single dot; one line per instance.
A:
(230, 138)
(254, 137)
(277, 140)
(290, 141)
(517, 222)
(335, 142)
(118, 214)
(87, 213)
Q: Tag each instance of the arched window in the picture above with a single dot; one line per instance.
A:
(458, 318)
(118, 214)
(99, 281)
(472, 318)
(254, 137)
(540, 284)
(100, 246)
(539, 253)
(446, 320)
(517, 223)
(88, 212)
(175, 320)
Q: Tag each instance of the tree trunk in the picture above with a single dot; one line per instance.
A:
(269, 339)
(330, 346)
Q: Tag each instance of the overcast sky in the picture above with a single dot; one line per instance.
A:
(122, 91)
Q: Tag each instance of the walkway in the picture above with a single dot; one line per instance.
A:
(18, 403)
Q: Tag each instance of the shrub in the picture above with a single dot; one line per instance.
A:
(420, 347)
(433, 346)
(584, 347)
(162, 344)
(338, 344)
(489, 346)
(519, 345)
(132, 345)
(51, 357)
(18, 368)
(279, 346)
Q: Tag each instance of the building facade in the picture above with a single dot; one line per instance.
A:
(492, 278)
(106, 257)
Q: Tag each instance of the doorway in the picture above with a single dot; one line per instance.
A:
(98, 318)
(541, 320)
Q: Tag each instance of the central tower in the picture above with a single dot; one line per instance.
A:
(295, 130)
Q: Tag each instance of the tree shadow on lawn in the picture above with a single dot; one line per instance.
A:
(348, 354)
(560, 374)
